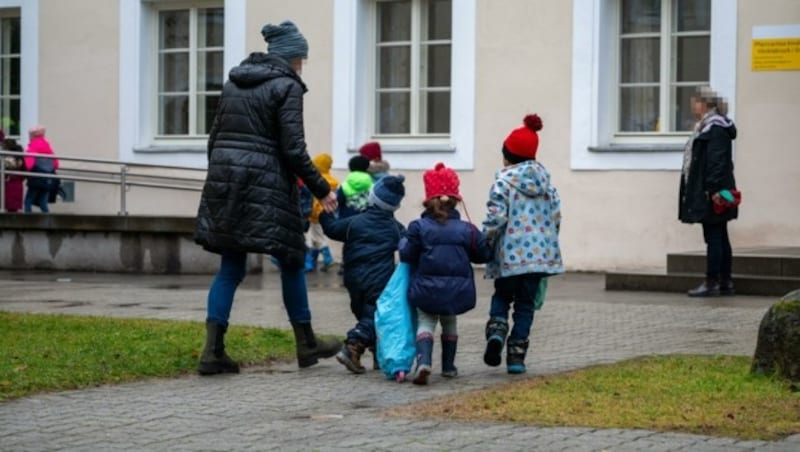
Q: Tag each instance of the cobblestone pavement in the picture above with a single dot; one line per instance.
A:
(326, 408)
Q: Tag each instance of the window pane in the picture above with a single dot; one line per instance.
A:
(438, 65)
(173, 115)
(11, 35)
(641, 16)
(683, 119)
(692, 15)
(638, 110)
(9, 116)
(208, 108)
(174, 71)
(210, 27)
(440, 19)
(437, 109)
(394, 21)
(9, 76)
(692, 58)
(209, 71)
(640, 60)
(393, 113)
(173, 29)
(395, 67)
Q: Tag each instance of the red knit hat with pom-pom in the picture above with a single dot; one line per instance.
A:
(441, 181)
(523, 142)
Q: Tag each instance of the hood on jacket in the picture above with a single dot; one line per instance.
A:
(356, 182)
(323, 162)
(529, 178)
(715, 119)
(260, 67)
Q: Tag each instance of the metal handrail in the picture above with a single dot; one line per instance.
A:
(122, 178)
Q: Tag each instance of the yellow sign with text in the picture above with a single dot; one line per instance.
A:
(776, 54)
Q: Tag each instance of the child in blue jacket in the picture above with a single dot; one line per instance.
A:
(370, 241)
(440, 247)
(522, 226)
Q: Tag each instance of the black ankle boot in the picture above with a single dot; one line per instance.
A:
(214, 360)
(726, 287)
(709, 288)
(309, 347)
(515, 356)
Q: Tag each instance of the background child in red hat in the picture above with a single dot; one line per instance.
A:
(440, 247)
(522, 225)
(378, 167)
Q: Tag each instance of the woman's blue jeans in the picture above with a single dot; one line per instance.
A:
(232, 271)
(36, 197)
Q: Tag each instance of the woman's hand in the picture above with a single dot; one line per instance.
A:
(716, 198)
(329, 203)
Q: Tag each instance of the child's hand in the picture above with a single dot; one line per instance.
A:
(329, 203)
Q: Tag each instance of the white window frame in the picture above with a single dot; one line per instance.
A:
(665, 83)
(416, 90)
(28, 12)
(594, 141)
(138, 81)
(353, 88)
(192, 137)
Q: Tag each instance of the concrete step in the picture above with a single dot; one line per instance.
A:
(682, 282)
(764, 261)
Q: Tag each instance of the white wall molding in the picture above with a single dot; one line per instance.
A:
(350, 106)
(590, 43)
(29, 62)
(136, 82)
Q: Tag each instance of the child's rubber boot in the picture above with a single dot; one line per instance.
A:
(515, 356)
(327, 258)
(496, 331)
(449, 345)
(424, 357)
(375, 364)
(350, 356)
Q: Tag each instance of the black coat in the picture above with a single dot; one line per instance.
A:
(370, 241)
(256, 152)
(710, 171)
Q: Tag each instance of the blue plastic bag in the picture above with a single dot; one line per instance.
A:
(395, 325)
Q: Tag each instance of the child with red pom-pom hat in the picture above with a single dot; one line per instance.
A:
(441, 247)
(522, 226)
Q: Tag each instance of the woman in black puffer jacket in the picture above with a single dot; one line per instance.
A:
(250, 201)
(708, 171)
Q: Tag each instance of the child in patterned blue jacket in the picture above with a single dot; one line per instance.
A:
(522, 226)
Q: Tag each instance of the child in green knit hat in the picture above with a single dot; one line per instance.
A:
(353, 194)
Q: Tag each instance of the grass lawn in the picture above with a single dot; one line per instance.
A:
(54, 352)
(710, 395)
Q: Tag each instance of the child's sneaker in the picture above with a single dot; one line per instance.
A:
(350, 356)
(496, 331)
(515, 356)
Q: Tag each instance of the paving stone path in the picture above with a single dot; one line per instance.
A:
(326, 408)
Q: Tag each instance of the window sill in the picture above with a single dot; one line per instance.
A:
(390, 148)
(637, 148)
(171, 149)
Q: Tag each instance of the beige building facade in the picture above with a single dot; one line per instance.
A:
(435, 80)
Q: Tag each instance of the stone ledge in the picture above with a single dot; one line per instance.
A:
(97, 223)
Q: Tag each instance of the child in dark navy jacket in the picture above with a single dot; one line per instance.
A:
(370, 241)
(440, 248)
